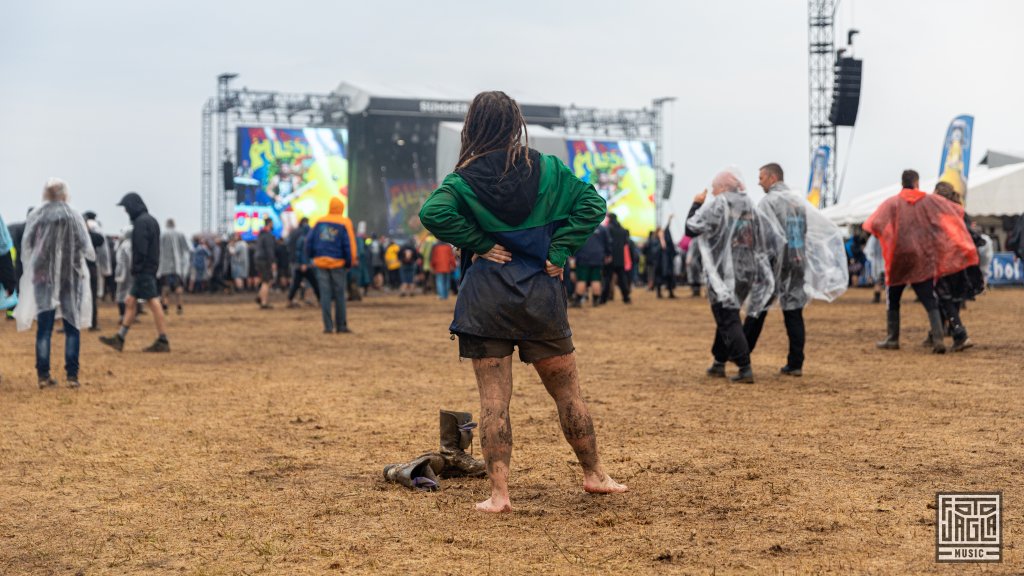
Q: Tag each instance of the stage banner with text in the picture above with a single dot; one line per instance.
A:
(1005, 270)
(622, 171)
(286, 174)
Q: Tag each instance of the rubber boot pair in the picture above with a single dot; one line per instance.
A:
(452, 461)
(745, 375)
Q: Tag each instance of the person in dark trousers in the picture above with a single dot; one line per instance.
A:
(734, 248)
(953, 290)
(145, 264)
(787, 211)
(517, 215)
(266, 262)
(56, 247)
(923, 237)
(664, 269)
(329, 246)
(615, 265)
(304, 270)
(94, 274)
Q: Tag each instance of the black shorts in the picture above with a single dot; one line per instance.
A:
(530, 351)
(144, 287)
(265, 271)
(171, 281)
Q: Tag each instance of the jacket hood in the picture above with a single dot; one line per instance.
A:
(133, 204)
(337, 206)
(510, 197)
(911, 196)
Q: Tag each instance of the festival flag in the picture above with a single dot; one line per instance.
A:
(955, 166)
(819, 171)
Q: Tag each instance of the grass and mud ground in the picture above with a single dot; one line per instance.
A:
(256, 447)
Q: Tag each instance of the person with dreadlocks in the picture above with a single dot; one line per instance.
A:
(953, 289)
(517, 215)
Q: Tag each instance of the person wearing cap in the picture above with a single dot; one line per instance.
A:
(145, 263)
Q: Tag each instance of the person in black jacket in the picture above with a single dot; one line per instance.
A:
(664, 266)
(145, 263)
(97, 244)
(266, 262)
(615, 265)
(589, 261)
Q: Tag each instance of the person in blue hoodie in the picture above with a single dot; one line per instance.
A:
(329, 246)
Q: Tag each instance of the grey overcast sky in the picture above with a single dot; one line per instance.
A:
(107, 94)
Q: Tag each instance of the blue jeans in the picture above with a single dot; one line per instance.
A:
(333, 282)
(44, 330)
(443, 282)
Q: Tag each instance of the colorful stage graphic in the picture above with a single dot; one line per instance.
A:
(623, 173)
(286, 174)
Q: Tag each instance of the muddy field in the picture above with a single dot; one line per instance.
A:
(257, 445)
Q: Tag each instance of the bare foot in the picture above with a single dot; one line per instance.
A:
(494, 505)
(602, 484)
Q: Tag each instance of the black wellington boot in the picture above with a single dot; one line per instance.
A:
(746, 375)
(938, 333)
(892, 340)
(418, 474)
(959, 332)
(456, 436)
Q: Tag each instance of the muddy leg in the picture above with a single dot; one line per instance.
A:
(494, 380)
(562, 382)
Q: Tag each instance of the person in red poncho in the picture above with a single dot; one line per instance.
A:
(923, 238)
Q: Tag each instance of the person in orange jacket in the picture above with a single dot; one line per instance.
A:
(442, 263)
(331, 247)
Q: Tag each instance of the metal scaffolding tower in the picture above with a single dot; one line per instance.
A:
(821, 70)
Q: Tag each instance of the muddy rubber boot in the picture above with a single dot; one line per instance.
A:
(717, 370)
(456, 436)
(892, 340)
(418, 474)
(746, 375)
(935, 320)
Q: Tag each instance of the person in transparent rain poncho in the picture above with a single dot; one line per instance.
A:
(122, 270)
(55, 283)
(734, 245)
(808, 258)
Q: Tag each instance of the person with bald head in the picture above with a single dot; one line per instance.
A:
(734, 248)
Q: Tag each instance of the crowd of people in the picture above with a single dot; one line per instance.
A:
(330, 263)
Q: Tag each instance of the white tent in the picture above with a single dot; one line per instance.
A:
(449, 142)
(990, 192)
